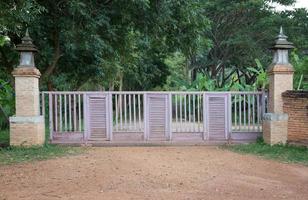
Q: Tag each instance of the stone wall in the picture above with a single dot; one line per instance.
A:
(295, 104)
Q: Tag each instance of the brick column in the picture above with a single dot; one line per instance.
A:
(295, 103)
(27, 127)
(280, 72)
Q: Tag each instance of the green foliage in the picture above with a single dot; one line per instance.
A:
(300, 64)
(261, 82)
(4, 138)
(129, 45)
(284, 153)
(203, 81)
(7, 103)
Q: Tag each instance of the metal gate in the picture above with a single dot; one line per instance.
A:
(217, 116)
(153, 116)
(157, 117)
(97, 117)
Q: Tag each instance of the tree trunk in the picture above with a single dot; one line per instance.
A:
(50, 69)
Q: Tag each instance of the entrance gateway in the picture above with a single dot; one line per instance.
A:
(93, 117)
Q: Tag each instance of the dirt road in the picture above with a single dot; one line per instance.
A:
(154, 173)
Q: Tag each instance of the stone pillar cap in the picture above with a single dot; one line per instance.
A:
(280, 69)
(26, 71)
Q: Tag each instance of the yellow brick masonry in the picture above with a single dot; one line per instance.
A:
(27, 128)
(275, 123)
(281, 80)
(279, 84)
(27, 133)
(275, 132)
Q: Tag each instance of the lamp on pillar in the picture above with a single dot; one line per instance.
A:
(27, 127)
(280, 72)
(27, 50)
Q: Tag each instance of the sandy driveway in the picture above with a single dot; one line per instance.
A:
(154, 173)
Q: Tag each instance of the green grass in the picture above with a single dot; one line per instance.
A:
(12, 155)
(283, 153)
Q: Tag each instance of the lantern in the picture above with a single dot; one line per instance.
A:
(27, 50)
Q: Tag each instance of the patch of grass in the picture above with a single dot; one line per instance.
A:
(12, 155)
(284, 153)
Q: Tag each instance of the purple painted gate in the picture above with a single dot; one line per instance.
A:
(153, 116)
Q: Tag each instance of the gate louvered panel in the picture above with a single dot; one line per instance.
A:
(97, 118)
(217, 117)
(157, 117)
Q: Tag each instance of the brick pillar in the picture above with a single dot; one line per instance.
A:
(280, 80)
(27, 127)
(295, 103)
(280, 72)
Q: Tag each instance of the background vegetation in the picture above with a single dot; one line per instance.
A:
(148, 44)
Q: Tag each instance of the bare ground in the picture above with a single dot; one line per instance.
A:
(154, 173)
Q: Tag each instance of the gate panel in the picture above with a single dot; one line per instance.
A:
(217, 117)
(136, 116)
(97, 117)
(157, 116)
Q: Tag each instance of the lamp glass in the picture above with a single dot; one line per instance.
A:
(26, 59)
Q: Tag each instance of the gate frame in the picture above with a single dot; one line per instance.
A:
(232, 133)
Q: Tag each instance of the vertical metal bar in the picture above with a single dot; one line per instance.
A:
(244, 102)
(194, 112)
(170, 116)
(258, 112)
(235, 112)
(139, 112)
(253, 112)
(130, 111)
(181, 113)
(229, 118)
(79, 111)
(65, 113)
(134, 103)
(125, 113)
(145, 117)
(50, 117)
(75, 118)
(85, 118)
(60, 122)
(43, 105)
(116, 111)
(70, 111)
(110, 117)
(189, 113)
(56, 112)
(249, 112)
(121, 113)
(185, 113)
(263, 104)
(176, 112)
(205, 113)
(240, 112)
(198, 102)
